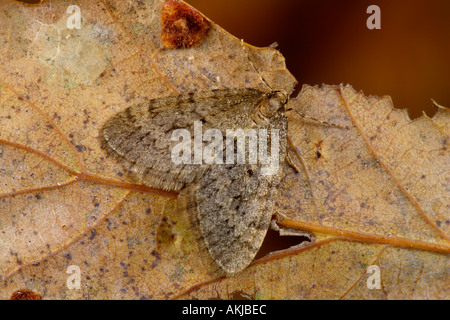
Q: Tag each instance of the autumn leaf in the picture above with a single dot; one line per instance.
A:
(371, 185)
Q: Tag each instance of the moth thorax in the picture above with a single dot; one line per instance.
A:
(274, 102)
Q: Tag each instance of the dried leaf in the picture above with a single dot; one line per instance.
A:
(373, 194)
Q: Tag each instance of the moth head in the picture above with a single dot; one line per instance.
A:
(276, 100)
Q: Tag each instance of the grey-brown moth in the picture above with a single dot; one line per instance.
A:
(230, 201)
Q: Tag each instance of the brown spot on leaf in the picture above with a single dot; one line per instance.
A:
(25, 294)
(182, 26)
(239, 295)
(318, 154)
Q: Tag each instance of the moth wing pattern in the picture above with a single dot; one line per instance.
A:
(140, 136)
(232, 205)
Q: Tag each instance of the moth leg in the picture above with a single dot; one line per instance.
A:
(292, 159)
(325, 123)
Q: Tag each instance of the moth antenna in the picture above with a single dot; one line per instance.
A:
(320, 121)
(253, 66)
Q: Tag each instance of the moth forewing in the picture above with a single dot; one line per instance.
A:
(230, 202)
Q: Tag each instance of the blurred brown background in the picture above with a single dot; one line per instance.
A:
(327, 41)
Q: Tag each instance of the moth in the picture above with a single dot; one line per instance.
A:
(230, 202)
